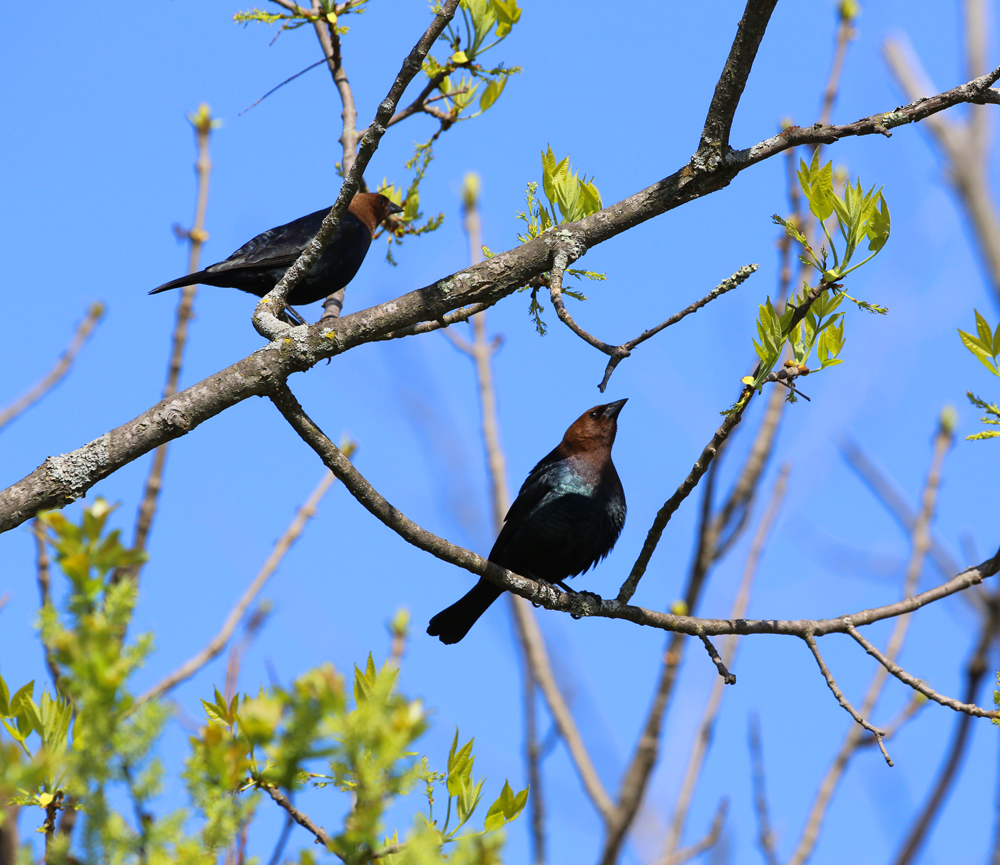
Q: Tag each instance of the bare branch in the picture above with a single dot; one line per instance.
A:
(734, 76)
(765, 834)
(887, 493)
(710, 840)
(185, 311)
(720, 665)
(619, 353)
(706, 728)
(854, 738)
(832, 684)
(63, 479)
(299, 817)
(916, 683)
(62, 366)
(218, 642)
(974, 671)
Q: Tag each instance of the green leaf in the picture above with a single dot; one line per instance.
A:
(973, 345)
(24, 694)
(879, 226)
(460, 762)
(507, 15)
(492, 93)
(4, 699)
(214, 715)
(817, 186)
(505, 808)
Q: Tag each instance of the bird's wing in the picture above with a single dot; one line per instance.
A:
(538, 483)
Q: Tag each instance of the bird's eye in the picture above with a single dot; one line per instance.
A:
(594, 414)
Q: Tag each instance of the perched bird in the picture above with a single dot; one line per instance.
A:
(257, 266)
(566, 518)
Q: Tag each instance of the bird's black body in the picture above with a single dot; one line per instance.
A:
(257, 266)
(565, 519)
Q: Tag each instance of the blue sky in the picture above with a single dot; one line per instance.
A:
(97, 166)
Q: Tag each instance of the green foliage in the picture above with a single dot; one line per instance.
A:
(293, 20)
(859, 216)
(75, 749)
(996, 700)
(575, 199)
(985, 345)
(481, 19)
(275, 740)
(822, 328)
(992, 417)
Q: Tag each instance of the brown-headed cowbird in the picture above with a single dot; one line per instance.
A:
(257, 266)
(566, 518)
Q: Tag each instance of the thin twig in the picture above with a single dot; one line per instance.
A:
(703, 738)
(720, 665)
(299, 817)
(619, 353)
(832, 684)
(62, 366)
(915, 683)
(44, 578)
(197, 235)
(264, 318)
(974, 672)
(218, 642)
(766, 840)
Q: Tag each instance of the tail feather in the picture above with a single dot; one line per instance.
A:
(452, 624)
(190, 279)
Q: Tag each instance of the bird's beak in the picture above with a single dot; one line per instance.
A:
(612, 409)
(393, 208)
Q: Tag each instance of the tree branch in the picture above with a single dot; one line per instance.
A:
(62, 366)
(63, 479)
(218, 642)
(619, 353)
(832, 684)
(185, 311)
(264, 319)
(734, 76)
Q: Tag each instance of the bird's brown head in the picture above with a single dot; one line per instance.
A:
(371, 208)
(595, 429)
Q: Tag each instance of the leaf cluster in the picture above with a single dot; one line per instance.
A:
(985, 345)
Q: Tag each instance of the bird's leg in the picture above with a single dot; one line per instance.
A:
(292, 317)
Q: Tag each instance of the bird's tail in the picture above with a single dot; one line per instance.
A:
(190, 279)
(452, 624)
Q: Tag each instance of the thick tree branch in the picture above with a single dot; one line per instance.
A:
(734, 76)
(61, 480)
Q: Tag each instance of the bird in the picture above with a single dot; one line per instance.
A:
(257, 266)
(565, 519)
